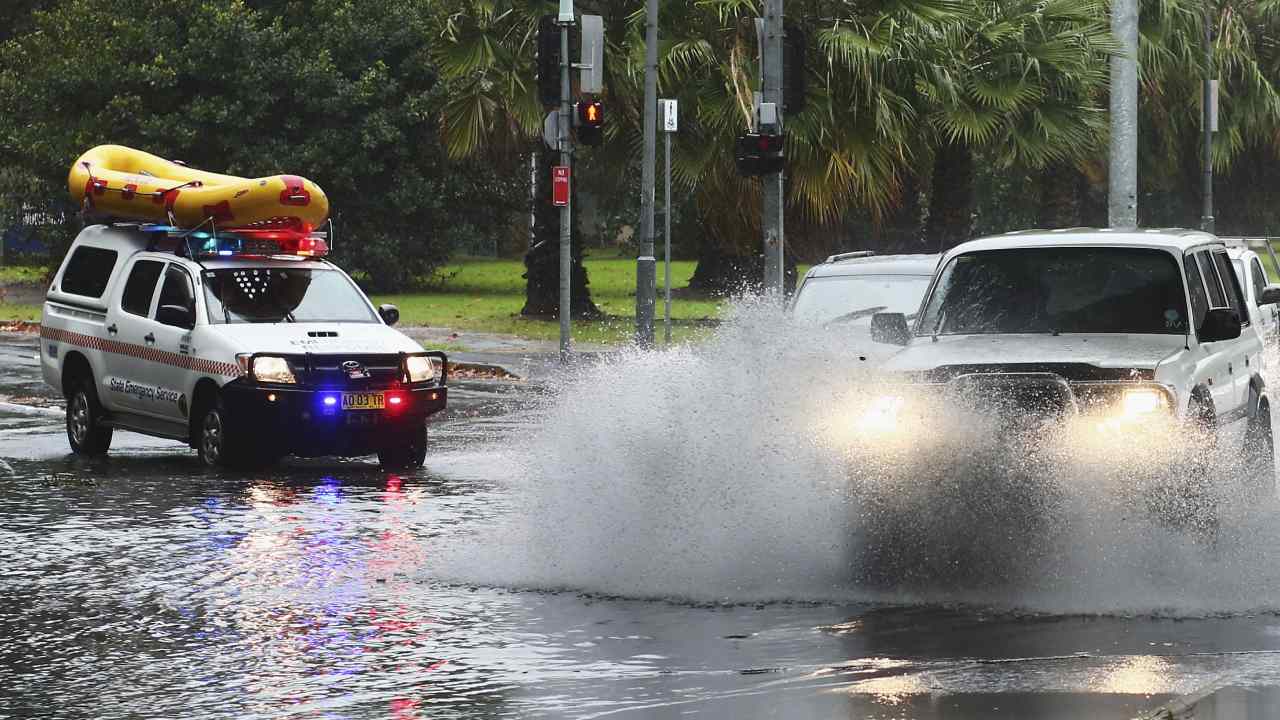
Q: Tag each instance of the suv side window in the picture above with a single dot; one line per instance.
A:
(88, 271)
(177, 289)
(1231, 284)
(1259, 278)
(141, 287)
(1195, 288)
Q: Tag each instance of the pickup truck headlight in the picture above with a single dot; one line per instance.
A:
(420, 368)
(268, 368)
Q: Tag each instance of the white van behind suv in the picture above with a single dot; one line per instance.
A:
(1131, 331)
(248, 346)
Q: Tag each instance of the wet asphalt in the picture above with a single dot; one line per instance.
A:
(142, 586)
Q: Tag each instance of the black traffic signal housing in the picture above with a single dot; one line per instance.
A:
(794, 73)
(759, 154)
(548, 61)
(588, 121)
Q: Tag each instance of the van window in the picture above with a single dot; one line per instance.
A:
(1259, 279)
(1231, 283)
(140, 287)
(88, 271)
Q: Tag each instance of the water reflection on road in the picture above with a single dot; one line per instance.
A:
(142, 586)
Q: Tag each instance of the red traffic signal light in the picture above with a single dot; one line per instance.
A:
(591, 113)
(759, 154)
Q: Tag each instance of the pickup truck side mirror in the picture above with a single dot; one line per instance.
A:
(1220, 324)
(177, 316)
(390, 313)
(890, 328)
(1270, 295)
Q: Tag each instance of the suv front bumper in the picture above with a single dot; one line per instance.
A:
(311, 422)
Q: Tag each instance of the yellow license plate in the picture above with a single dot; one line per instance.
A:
(364, 401)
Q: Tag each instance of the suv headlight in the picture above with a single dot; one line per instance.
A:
(268, 368)
(420, 368)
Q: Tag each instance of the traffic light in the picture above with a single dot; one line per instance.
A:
(588, 119)
(548, 61)
(794, 74)
(759, 154)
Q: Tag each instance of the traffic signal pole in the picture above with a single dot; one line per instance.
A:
(566, 217)
(646, 263)
(771, 92)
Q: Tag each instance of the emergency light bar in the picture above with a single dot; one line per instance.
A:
(241, 242)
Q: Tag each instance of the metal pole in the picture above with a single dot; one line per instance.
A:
(666, 236)
(566, 216)
(646, 263)
(1207, 117)
(771, 65)
(1123, 195)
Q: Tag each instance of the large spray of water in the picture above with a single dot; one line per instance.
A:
(711, 473)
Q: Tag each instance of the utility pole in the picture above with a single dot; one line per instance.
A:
(771, 93)
(1122, 210)
(1209, 118)
(646, 263)
(566, 159)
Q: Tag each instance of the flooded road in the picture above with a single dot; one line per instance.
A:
(486, 585)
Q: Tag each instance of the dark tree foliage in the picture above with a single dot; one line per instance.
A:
(341, 91)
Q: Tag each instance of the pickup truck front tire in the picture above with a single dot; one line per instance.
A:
(409, 454)
(85, 431)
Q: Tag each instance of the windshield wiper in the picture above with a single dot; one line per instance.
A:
(858, 314)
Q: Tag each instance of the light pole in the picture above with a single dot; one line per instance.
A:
(771, 92)
(646, 263)
(1209, 120)
(566, 160)
(1122, 210)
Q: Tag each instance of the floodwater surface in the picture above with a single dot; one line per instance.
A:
(657, 536)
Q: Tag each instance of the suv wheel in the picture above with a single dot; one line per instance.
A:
(409, 454)
(85, 431)
(1260, 453)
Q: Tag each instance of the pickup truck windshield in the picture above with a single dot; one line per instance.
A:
(854, 299)
(1058, 290)
(273, 295)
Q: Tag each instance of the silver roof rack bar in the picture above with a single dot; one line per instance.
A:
(851, 255)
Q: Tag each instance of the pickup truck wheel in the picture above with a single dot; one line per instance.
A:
(85, 431)
(410, 454)
(1260, 454)
(220, 446)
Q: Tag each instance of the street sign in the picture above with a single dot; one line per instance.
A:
(669, 110)
(560, 185)
(592, 66)
(551, 130)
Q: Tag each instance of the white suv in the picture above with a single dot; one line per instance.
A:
(248, 346)
(1127, 328)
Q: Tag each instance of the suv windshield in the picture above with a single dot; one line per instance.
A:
(855, 298)
(1052, 290)
(272, 295)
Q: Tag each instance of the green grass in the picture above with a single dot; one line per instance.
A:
(19, 311)
(23, 274)
(486, 295)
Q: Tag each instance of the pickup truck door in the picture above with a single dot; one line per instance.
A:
(173, 376)
(128, 323)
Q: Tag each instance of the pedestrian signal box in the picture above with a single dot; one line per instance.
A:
(759, 154)
(589, 121)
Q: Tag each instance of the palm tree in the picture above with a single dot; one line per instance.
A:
(487, 55)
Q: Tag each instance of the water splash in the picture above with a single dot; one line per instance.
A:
(708, 474)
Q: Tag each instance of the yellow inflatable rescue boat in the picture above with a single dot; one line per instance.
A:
(130, 184)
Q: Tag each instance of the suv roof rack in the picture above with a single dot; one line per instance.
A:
(851, 255)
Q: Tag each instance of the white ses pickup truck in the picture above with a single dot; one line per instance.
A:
(247, 346)
(1133, 331)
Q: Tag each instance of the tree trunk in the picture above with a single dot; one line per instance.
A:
(951, 197)
(542, 261)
